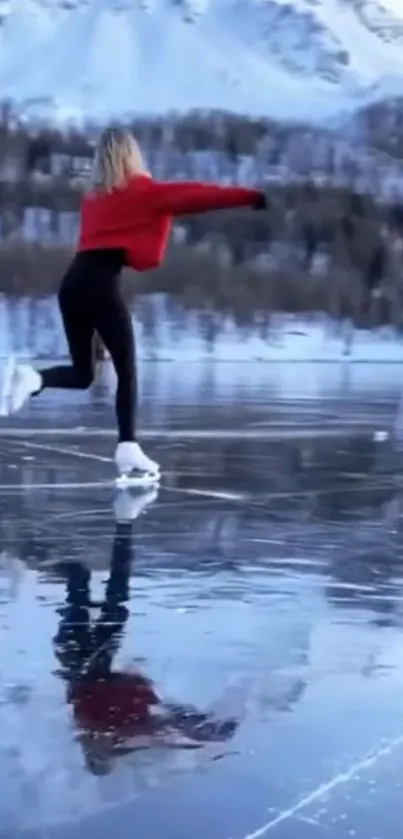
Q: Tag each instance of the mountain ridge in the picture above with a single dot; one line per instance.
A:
(291, 59)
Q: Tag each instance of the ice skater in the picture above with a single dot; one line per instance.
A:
(126, 219)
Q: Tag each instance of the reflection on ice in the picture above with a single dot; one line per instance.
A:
(236, 647)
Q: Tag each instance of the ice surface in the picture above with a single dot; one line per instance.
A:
(265, 583)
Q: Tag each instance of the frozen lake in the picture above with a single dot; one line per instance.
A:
(229, 663)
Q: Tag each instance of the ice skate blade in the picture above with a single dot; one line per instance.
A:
(145, 479)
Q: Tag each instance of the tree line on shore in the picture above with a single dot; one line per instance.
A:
(323, 245)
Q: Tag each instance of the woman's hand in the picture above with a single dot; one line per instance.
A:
(261, 202)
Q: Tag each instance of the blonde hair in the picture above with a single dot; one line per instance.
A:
(117, 158)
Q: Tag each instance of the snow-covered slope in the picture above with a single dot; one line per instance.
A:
(288, 339)
(300, 59)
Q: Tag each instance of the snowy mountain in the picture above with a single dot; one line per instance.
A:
(297, 59)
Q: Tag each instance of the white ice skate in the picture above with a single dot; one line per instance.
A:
(13, 569)
(128, 506)
(134, 467)
(7, 374)
(20, 381)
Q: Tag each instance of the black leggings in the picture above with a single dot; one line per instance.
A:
(91, 302)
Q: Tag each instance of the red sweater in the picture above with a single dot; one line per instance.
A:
(117, 705)
(138, 216)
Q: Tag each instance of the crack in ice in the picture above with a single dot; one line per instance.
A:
(342, 778)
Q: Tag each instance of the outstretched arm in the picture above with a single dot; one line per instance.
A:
(178, 199)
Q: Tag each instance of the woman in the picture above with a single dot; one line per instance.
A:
(126, 219)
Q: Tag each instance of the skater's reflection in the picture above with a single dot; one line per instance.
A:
(117, 712)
